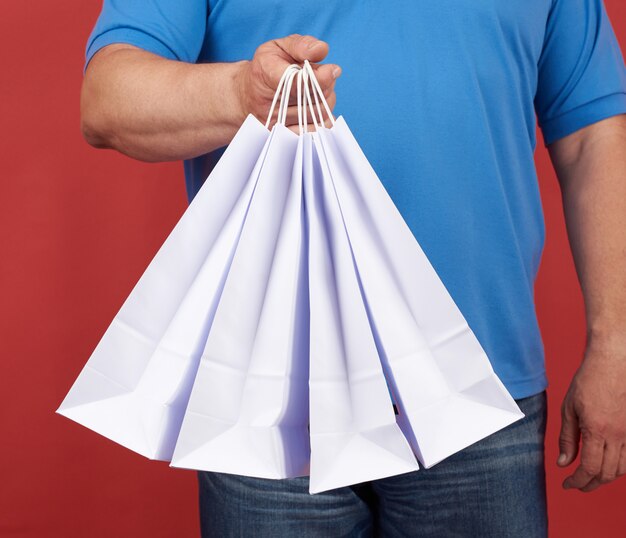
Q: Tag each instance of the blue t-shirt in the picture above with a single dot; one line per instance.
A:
(442, 98)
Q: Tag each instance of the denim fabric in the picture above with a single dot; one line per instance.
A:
(492, 489)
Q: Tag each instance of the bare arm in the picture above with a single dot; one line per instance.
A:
(591, 167)
(155, 109)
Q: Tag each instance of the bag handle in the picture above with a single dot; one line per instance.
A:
(289, 70)
(284, 99)
(306, 82)
(318, 94)
(304, 102)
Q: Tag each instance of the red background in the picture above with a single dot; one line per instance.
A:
(77, 228)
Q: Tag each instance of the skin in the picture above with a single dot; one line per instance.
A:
(154, 109)
(591, 167)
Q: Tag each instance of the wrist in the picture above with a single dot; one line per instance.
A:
(606, 340)
(224, 109)
(238, 85)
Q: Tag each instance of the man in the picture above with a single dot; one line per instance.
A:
(442, 97)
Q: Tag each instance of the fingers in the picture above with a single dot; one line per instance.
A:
(329, 93)
(291, 118)
(302, 47)
(594, 409)
(310, 128)
(621, 468)
(569, 437)
(292, 113)
(273, 57)
(591, 456)
(326, 75)
(262, 75)
(610, 464)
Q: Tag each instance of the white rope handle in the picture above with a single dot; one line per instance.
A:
(301, 112)
(317, 92)
(317, 121)
(284, 99)
(304, 102)
(281, 82)
(306, 82)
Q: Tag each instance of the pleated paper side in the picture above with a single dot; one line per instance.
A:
(354, 435)
(247, 413)
(447, 393)
(136, 383)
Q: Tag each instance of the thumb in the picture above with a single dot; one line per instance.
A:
(303, 47)
(569, 437)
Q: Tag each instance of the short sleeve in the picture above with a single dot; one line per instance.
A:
(581, 73)
(173, 29)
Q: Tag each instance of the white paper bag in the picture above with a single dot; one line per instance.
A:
(445, 388)
(238, 419)
(135, 386)
(354, 435)
(265, 336)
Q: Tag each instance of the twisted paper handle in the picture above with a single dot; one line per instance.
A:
(306, 84)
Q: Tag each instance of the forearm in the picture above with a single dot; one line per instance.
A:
(155, 109)
(591, 167)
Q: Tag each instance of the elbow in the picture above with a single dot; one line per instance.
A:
(96, 118)
(100, 131)
(103, 127)
(92, 134)
(93, 122)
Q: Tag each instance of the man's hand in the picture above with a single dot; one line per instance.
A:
(591, 167)
(258, 79)
(155, 109)
(594, 409)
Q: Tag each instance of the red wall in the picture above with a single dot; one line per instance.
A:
(77, 229)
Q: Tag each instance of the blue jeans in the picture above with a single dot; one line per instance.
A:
(492, 489)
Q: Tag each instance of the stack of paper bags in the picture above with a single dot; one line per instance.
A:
(285, 314)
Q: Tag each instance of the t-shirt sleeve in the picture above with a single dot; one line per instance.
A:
(581, 72)
(173, 29)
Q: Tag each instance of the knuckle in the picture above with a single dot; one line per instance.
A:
(329, 90)
(264, 72)
(605, 478)
(263, 48)
(601, 427)
(306, 39)
(266, 48)
(257, 67)
(590, 468)
(332, 101)
(594, 430)
(619, 432)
